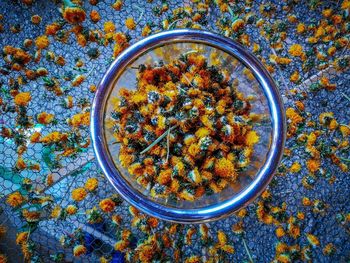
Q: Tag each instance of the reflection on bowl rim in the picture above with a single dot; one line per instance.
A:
(211, 212)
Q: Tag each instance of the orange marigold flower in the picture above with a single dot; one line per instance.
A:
(95, 16)
(107, 205)
(36, 19)
(280, 232)
(313, 165)
(73, 13)
(21, 238)
(71, 209)
(45, 118)
(79, 194)
(15, 199)
(23, 98)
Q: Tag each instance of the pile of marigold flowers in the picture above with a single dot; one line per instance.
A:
(186, 131)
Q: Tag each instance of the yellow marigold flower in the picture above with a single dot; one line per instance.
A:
(295, 168)
(121, 245)
(295, 77)
(71, 209)
(242, 212)
(109, 27)
(45, 118)
(296, 50)
(79, 194)
(15, 199)
(23, 98)
(266, 194)
(313, 240)
(345, 5)
(79, 250)
(252, 138)
(293, 116)
(222, 238)
(21, 238)
(42, 42)
(228, 248)
(283, 258)
(73, 13)
(107, 205)
(225, 168)
(345, 131)
(91, 184)
(300, 215)
(130, 23)
(56, 212)
(333, 124)
(164, 177)
(301, 28)
(80, 119)
(194, 150)
(313, 165)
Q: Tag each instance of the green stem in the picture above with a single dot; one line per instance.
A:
(346, 96)
(158, 139)
(68, 3)
(173, 24)
(344, 159)
(167, 145)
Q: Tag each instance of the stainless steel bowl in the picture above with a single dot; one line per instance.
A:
(267, 156)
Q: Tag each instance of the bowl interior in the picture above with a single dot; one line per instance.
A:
(247, 84)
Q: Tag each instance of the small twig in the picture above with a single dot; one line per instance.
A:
(248, 252)
(158, 139)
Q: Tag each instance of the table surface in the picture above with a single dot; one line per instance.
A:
(327, 215)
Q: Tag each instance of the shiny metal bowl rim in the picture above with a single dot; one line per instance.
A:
(211, 212)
